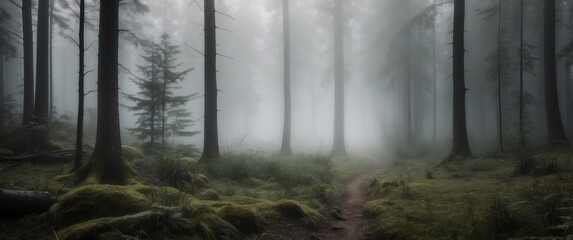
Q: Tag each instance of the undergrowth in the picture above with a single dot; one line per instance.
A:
(522, 196)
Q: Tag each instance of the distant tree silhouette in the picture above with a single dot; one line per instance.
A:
(338, 146)
(286, 143)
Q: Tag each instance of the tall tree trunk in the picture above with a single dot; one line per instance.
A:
(81, 74)
(434, 74)
(164, 98)
(499, 109)
(41, 106)
(286, 146)
(338, 146)
(28, 114)
(555, 130)
(460, 147)
(106, 165)
(2, 96)
(153, 112)
(211, 135)
(521, 106)
(51, 67)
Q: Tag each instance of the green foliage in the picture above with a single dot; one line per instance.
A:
(95, 202)
(525, 163)
(161, 114)
(502, 219)
(245, 219)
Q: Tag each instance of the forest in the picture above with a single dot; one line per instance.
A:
(286, 119)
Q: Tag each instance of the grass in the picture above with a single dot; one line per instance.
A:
(474, 199)
(239, 196)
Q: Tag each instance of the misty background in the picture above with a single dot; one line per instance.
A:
(386, 42)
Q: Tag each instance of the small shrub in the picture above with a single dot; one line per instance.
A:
(525, 164)
(502, 222)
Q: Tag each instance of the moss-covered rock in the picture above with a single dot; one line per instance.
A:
(290, 209)
(209, 194)
(245, 219)
(130, 153)
(97, 201)
(199, 181)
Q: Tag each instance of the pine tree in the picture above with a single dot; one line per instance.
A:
(160, 113)
(147, 100)
(170, 76)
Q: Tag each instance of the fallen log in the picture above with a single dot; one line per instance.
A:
(44, 158)
(24, 202)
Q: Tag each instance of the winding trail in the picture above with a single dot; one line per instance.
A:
(347, 221)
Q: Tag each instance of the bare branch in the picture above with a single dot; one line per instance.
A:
(71, 38)
(90, 92)
(88, 48)
(13, 33)
(194, 49)
(70, 8)
(226, 15)
(225, 56)
(15, 4)
(129, 71)
(86, 73)
(226, 30)
(198, 5)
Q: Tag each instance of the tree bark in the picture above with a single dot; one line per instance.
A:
(499, 109)
(28, 113)
(434, 75)
(460, 147)
(211, 135)
(338, 146)
(521, 106)
(106, 165)
(555, 130)
(286, 146)
(51, 67)
(42, 100)
(2, 96)
(81, 74)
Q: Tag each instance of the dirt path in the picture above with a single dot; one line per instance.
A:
(347, 221)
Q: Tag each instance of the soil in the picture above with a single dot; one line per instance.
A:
(345, 222)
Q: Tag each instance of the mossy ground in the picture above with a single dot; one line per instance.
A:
(473, 199)
(204, 205)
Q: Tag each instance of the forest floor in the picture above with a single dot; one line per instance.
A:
(345, 221)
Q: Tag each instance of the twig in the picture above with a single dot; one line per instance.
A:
(194, 49)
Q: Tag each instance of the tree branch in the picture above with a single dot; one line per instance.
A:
(194, 49)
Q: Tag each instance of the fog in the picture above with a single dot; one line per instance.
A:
(385, 42)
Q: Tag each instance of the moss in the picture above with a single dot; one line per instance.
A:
(61, 136)
(86, 230)
(245, 219)
(189, 160)
(190, 222)
(200, 181)
(6, 152)
(253, 182)
(100, 171)
(130, 153)
(97, 201)
(289, 209)
(209, 194)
